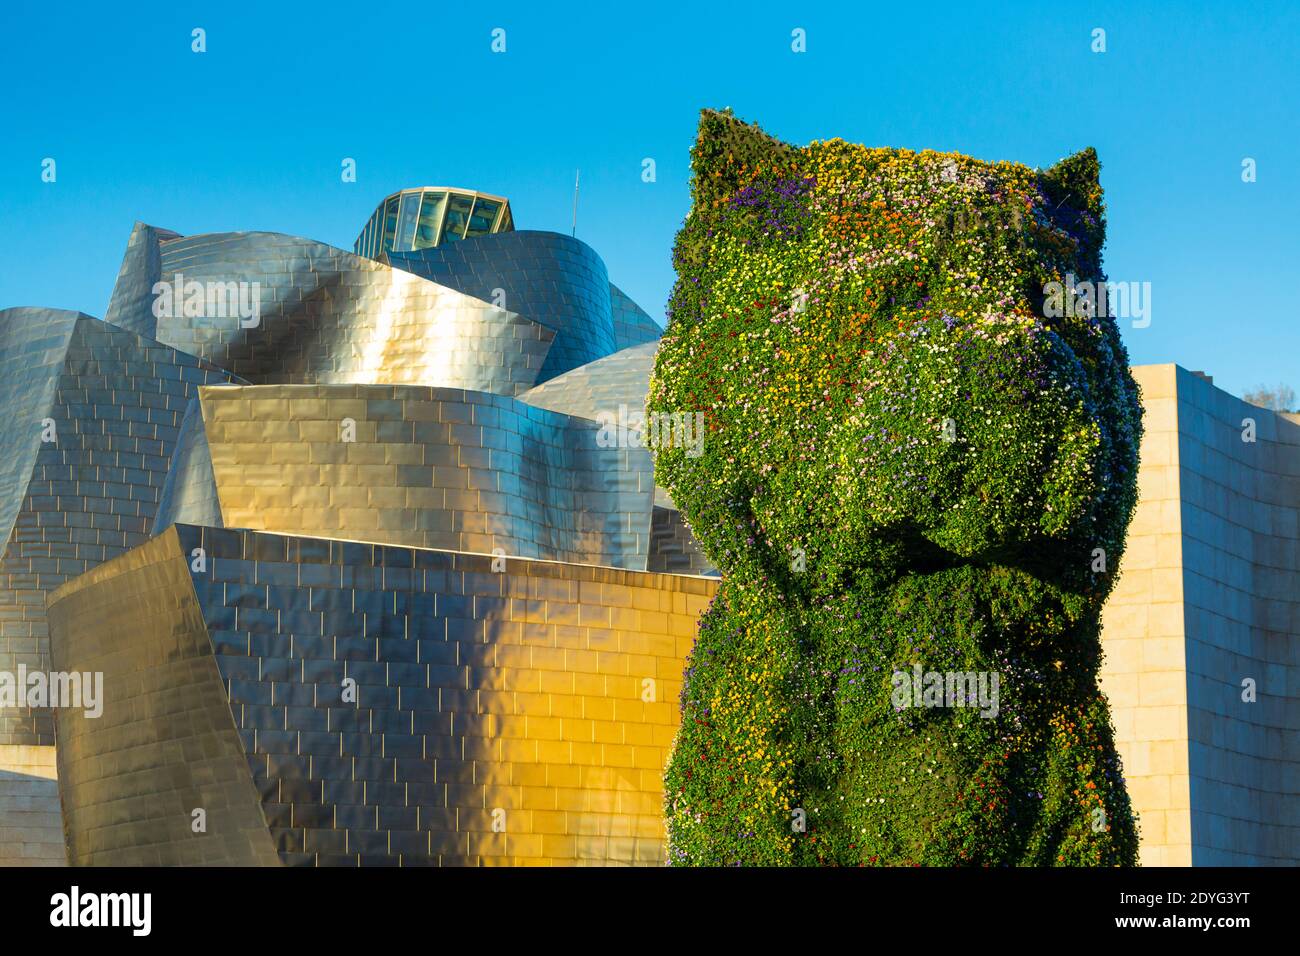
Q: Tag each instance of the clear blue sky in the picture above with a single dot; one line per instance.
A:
(250, 135)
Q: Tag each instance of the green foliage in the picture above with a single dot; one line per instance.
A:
(905, 464)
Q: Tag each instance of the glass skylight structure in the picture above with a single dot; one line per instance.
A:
(428, 216)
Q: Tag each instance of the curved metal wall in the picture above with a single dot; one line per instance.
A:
(111, 418)
(189, 494)
(521, 717)
(164, 745)
(131, 305)
(418, 466)
(329, 316)
(632, 324)
(612, 388)
(553, 279)
(604, 386)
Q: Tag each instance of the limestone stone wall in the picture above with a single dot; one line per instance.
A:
(1208, 598)
(31, 830)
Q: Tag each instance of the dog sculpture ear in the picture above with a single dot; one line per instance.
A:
(1073, 188)
(1076, 179)
(726, 151)
(726, 154)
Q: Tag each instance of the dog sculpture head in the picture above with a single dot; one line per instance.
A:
(895, 365)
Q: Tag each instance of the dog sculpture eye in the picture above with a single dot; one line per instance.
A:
(907, 468)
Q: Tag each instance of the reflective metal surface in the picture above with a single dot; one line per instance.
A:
(611, 386)
(330, 316)
(189, 493)
(131, 305)
(673, 549)
(555, 280)
(632, 324)
(521, 717)
(508, 709)
(605, 388)
(436, 468)
(621, 379)
(89, 414)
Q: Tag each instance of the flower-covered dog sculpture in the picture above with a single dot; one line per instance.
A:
(916, 485)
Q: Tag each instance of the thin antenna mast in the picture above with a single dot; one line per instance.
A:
(576, 175)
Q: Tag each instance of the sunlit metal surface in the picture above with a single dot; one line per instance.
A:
(90, 414)
(605, 389)
(553, 279)
(245, 550)
(616, 381)
(516, 716)
(426, 467)
(131, 305)
(329, 316)
(190, 491)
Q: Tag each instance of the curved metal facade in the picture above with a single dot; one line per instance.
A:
(553, 279)
(513, 717)
(131, 306)
(132, 778)
(328, 316)
(602, 390)
(433, 468)
(632, 324)
(378, 507)
(620, 380)
(611, 388)
(91, 413)
(189, 493)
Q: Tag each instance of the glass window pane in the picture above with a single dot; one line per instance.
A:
(458, 209)
(406, 218)
(507, 222)
(485, 213)
(426, 234)
(367, 244)
(390, 224)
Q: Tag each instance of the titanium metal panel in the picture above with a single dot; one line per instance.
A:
(394, 706)
(132, 779)
(632, 324)
(401, 464)
(33, 346)
(553, 279)
(673, 549)
(601, 387)
(89, 414)
(329, 316)
(189, 493)
(607, 390)
(131, 305)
